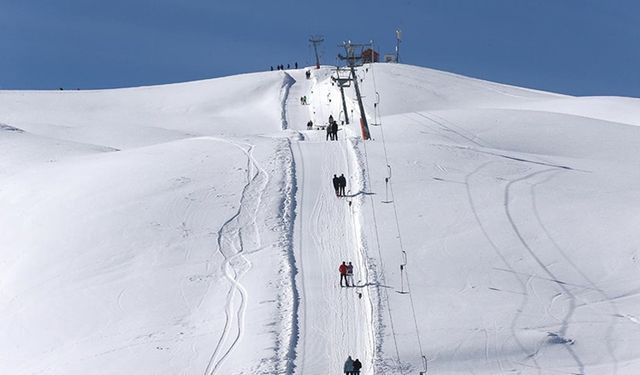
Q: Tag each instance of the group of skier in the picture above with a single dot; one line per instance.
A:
(332, 129)
(303, 100)
(339, 185)
(352, 367)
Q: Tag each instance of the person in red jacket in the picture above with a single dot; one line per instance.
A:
(343, 274)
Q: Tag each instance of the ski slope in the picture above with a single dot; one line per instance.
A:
(192, 228)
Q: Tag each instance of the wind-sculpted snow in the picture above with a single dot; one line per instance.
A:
(192, 228)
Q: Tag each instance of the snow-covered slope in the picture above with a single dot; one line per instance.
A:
(192, 228)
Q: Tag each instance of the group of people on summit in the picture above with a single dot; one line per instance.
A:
(339, 185)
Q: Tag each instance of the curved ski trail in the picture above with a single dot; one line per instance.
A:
(238, 235)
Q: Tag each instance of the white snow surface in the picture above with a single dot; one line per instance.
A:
(192, 228)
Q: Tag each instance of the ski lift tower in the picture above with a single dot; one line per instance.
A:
(316, 40)
(354, 58)
(342, 83)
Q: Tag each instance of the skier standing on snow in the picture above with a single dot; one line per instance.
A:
(329, 134)
(336, 185)
(350, 274)
(343, 276)
(348, 366)
(357, 365)
(334, 130)
(310, 125)
(342, 184)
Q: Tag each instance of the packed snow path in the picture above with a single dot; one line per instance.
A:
(335, 321)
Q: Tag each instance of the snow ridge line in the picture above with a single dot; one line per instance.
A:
(287, 82)
(289, 300)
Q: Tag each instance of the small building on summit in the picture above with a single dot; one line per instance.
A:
(369, 56)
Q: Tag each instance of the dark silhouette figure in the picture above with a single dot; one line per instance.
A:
(336, 184)
(308, 74)
(288, 66)
(343, 276)
(342, 184)
(272, 68)
(348, 366)
(296, 65)
(310, 125)
(357, 365)
(334, 130)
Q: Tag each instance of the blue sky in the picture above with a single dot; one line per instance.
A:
(580, 47)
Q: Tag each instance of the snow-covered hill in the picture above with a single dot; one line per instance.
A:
(192, 228)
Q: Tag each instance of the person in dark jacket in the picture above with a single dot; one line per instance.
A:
(343, 276)
(350, 274)
(334, 130)
(336, 184)
(342, 184)
(357, 365)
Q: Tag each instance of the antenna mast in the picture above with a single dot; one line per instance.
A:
(398, 40)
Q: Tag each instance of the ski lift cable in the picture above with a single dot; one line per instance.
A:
(382, 274)
(395, 210)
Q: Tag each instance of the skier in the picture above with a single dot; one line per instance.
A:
(348, 366)
(296, 65)
(350, 274)
(343, 276)
(308, 74)
(329, 134)
(334, 130)
(336, 185)
(342, 184)
(310, 125)
(357, 365)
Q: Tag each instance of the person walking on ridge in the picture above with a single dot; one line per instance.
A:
(348, 366)
(343, 276)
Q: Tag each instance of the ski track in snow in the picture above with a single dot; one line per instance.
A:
(238, 235)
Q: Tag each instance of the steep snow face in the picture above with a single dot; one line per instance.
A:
(193, 228)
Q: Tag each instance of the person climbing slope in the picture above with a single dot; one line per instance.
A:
(336, 185)
(357, 365)
(350, 274)
(343, 275)
(348, 366)
(342, 184)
